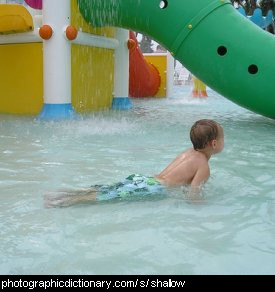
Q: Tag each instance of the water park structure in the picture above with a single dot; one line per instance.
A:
(199, 88)
(151, 75)
(56, 65)
(241, 71)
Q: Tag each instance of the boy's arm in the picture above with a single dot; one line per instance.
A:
(200, 177)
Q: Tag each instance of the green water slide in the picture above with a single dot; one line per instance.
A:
(209, 37)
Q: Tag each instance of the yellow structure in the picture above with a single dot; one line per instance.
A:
(92, 69)
(160, 62)
(199, 89)
(21, 78)
(21, 70)
(14, 19)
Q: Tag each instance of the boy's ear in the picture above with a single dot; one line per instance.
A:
(214, 143)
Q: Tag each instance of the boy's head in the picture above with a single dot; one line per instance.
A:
(207, 133)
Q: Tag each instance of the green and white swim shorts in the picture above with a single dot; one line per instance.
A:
(134, 186)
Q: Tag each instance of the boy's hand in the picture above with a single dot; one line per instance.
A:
(195, 195)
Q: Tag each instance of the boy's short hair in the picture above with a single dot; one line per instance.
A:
(203, 132)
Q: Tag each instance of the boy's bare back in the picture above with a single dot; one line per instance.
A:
(186, 169)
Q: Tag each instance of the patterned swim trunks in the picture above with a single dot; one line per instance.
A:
(134, 186)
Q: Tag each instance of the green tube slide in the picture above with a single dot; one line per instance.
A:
(209, 37)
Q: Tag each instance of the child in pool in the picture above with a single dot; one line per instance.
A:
(189, 168)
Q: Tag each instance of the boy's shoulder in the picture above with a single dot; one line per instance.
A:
(197, 158)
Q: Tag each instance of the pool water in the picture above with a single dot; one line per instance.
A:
(232, 233)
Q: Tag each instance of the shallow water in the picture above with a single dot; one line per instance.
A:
(233, 233)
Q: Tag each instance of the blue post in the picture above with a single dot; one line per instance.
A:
(122, 103)
(57, 112)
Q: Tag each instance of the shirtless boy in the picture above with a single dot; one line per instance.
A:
(189, 168)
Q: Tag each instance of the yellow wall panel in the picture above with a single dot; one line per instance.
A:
(160, 62)
(92, 69)
(21, 78)
(92, 78)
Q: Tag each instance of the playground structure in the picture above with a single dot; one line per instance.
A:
(151, 75)
(55, 65)
(239, 70)
(199, 89)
